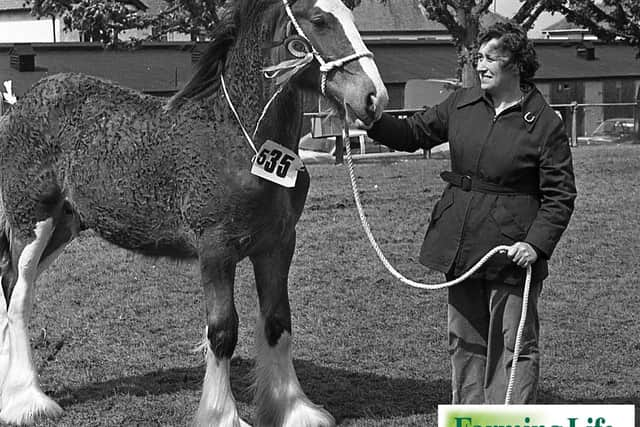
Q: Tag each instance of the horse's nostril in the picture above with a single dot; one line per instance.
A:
(371, 102)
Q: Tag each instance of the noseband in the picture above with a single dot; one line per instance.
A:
(287, 69)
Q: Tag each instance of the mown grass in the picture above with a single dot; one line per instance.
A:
(114, 332)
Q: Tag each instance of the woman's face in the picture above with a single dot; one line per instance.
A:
(495, 73)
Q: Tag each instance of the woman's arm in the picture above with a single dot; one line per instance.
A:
(558, 189)
(421, 130)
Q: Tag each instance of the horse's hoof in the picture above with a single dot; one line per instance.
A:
(233, 421)
(25, 406)
(309, 416)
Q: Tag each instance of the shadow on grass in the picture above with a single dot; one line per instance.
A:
(346, 394)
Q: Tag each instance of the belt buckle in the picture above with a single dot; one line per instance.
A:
(465, 183)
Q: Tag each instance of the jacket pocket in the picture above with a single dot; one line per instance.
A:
(443, 204)
(508, 223)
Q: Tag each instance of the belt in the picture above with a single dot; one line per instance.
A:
(468, 183)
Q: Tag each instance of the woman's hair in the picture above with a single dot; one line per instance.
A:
(513, 39)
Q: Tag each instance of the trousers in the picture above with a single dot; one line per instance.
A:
(483, 318)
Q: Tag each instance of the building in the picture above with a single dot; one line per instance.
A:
(565, 30)
(396, 19)
(17, 25)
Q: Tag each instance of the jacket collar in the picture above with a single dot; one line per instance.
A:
(532, 105)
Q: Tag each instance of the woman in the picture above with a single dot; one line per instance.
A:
(511, 183)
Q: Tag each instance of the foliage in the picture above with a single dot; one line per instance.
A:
(105, 20)
(609, 20)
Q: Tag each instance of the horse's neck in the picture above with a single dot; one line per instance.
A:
(282, 119)
(250, 92)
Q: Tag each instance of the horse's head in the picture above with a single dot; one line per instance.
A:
(343, 68)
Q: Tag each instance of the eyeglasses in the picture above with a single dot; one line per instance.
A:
(489, 59)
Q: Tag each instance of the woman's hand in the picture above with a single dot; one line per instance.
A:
(358, 124)
(522, 254)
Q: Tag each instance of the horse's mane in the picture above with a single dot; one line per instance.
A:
(206, 80)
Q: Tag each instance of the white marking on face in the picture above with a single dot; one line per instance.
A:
(345, 18)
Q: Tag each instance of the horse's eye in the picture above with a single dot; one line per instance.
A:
(318, 20)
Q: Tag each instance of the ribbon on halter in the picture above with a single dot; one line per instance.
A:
(285, 70)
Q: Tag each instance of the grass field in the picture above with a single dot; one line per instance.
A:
(114, 332)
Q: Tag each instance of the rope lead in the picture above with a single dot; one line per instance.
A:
(403, 279)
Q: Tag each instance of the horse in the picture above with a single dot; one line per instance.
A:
(171, 178)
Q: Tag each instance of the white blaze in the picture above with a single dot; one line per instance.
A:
(345, 17)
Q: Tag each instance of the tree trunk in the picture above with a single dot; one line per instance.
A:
(469, 75)
(467, 48)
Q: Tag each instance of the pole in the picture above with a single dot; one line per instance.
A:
(339, 153)
(574, 124)
(636, 116)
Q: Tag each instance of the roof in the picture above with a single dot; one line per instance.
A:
(392, 16)
(562, 25)
(565, 26)
(13, 5)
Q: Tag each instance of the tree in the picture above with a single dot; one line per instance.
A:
(611, 20)
(195, 17)
(105, 20)
(101, 21)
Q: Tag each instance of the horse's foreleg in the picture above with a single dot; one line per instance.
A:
(217, 405)
(279, 398)
(22, 399)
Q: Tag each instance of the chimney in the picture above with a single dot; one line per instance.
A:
(22, 57)
(586, 51)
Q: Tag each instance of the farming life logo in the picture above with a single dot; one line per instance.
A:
(536, 416)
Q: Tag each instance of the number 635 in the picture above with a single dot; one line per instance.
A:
(274, 160)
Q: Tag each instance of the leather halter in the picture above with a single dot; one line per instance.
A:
(287, 69)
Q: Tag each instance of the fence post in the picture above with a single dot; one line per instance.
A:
(574, 124)
(339, 150)
(636, 116)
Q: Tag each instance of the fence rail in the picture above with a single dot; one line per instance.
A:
(572, 117)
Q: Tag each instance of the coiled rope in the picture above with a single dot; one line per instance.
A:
(403, 279)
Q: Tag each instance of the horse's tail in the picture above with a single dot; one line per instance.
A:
(5, 250)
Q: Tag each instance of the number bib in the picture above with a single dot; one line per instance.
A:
(277, 164)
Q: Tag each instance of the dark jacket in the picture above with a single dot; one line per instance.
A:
(524, 148)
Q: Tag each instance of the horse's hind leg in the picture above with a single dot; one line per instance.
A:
(217, 404)
(21, 399)
(279, 398)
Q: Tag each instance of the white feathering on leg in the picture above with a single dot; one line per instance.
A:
(279, 398)
(217, 405)
(22, 400)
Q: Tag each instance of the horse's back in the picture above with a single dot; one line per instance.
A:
(98, 145)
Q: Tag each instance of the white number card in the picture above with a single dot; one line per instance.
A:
(277, 164)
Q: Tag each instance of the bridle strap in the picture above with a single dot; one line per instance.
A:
(325, 67)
